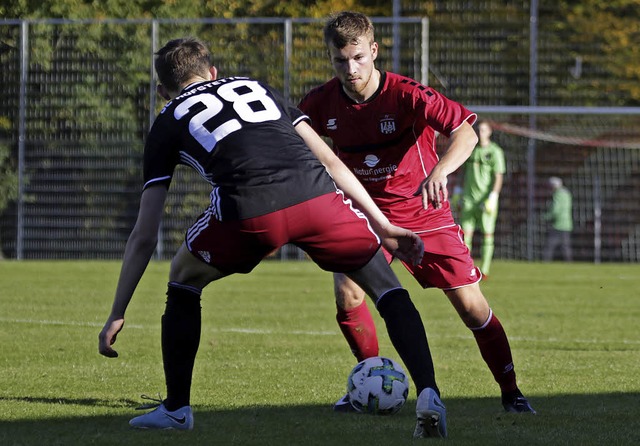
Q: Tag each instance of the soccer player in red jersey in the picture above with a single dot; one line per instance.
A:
(384, 126)
(273, 182)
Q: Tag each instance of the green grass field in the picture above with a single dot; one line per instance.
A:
(272, 361)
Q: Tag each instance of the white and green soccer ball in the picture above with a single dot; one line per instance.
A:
(378, 386)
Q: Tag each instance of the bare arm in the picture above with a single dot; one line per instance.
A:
(138, 251)
(401, 242)
(434, 187)
(497, 183)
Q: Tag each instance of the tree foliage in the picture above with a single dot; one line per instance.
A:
(613, 27)
(572, 29)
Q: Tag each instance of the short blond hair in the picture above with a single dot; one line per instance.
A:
(347, 27)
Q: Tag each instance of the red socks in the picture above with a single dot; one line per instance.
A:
(359, 330)
(496, 352)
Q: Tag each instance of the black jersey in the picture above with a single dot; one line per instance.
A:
(239, 135)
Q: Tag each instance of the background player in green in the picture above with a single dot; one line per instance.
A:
(483, 174)
(559, 215)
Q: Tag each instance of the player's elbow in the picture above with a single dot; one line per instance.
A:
(143, 240)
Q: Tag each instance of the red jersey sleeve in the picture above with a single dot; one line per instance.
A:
(440, 113)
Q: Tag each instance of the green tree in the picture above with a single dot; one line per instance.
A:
(612, 72)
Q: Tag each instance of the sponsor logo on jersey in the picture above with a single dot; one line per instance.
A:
(371, 160)
(332, 124)
(387, 124)
(373, 173)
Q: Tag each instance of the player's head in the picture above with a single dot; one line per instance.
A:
(346, 28)
(555, 182)
(352, 50)
(180, 61)
(484, 131)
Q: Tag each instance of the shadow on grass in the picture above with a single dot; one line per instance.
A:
(93, 402)
(610, 419)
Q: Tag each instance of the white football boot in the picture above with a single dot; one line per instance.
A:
(431, 415)
(161, 418)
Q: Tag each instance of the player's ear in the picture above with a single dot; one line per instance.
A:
(213, 71)
(374, 50)
(162, 91)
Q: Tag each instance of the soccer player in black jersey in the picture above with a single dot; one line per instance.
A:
(273, 182)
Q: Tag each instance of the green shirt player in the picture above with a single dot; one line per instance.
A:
(560, 217)
(477, 197)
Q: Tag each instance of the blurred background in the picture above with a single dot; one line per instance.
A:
(560, 80)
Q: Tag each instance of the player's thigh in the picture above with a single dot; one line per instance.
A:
(468, 219)
(189, 270)
(470, 304)
(376, 277)
(447, 262)
(235, 246)
(488, 222)
(554, 238)
(334, 235)
(348, 294)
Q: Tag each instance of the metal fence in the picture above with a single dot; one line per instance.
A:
(78, 98)
(596, 152)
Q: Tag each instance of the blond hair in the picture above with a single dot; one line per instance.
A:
(347, 27)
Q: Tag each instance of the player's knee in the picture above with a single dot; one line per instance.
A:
(347, 293)
(347, 298)
(187, 269)
(476, 315)
(471, 305)
(473, 318)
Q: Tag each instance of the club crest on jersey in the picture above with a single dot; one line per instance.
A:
(387, 124)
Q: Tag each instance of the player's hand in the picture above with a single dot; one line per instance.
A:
(491, 203)
(107, 337)
(403, 244)
(433, 190)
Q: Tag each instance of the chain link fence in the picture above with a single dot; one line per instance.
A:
(78, 99)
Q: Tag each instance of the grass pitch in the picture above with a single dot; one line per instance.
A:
(272, 360)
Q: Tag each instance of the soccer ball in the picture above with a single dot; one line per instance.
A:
(378, 386)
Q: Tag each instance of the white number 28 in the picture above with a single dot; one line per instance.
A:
(241, 99)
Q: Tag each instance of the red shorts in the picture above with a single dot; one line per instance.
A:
(447, 262)
(334, 235)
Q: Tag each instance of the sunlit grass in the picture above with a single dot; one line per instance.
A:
(272, 360)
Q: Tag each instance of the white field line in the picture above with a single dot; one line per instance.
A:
(302, 332)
